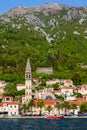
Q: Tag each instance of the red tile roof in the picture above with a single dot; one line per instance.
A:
(19, 85)
(57, 91)
(1, 87)
(66, 87)
(46, 102)
(10, 103)
(82, 87)
(1, 104)
(7, 97)
(77, 102)
(1, 95)
(68, 81)
(49, 102)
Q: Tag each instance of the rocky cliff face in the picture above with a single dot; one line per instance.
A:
(47, 17)
(69, 13)
(45, 9)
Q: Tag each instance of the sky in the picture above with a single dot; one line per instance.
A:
(5, 5)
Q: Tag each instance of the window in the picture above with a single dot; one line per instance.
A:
(29, 76)
(26, 76)
(10, 106)
(15, 106)
(7, 99)
(48, 98)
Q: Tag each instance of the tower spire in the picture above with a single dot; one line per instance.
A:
(28, 70)
(28, 67)
(28, 81)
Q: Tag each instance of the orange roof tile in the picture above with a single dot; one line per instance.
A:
(68, 81)
(46, 102)
(77, 102)
(1, 95)
(82, 87)
(57, 91)
(1, 104)
(19, 85)
(10, 103)
(66, 87)
(1, 87)
(7, 97)
(49, 102)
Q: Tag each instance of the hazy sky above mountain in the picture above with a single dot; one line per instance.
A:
(8, 4)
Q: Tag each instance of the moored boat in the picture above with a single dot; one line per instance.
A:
(55, 117)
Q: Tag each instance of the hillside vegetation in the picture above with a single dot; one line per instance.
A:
(50, 35)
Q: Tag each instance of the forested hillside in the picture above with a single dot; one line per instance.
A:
(50, 35)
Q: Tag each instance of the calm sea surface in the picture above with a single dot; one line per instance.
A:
(43, 124)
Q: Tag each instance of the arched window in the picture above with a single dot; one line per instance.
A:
(49, 98)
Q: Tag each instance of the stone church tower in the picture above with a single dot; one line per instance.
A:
(28, 81)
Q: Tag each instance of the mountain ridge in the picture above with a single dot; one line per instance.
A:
(49, 6)
(50, 35)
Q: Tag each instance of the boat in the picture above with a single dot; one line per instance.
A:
(55, 117)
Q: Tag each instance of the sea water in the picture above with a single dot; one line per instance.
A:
(44, 124)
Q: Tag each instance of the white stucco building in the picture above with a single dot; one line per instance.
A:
(2, 86)
(12, 108)
(20, 87)
(82, 89)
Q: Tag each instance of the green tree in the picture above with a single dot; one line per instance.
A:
(59, 106)
(24, 108)
(56, 86)
(74, 107)
(31, 104)
(40, 105)
(83, 107)
(78, 95)
(49, 108)
(10, 90)
(59, 97)
(0, 99)
(66, 106)
(76, 79)
(21, 92)
(43, 82)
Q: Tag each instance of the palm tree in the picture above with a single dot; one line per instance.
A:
(74, 107)
(66, 106)
(83, 107)
(59, 106)
(24, 108)
(49, 108)
(40, 105)
(31, 104)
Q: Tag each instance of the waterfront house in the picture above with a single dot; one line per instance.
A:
(9, 107)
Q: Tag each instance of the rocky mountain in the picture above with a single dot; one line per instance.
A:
(51, 35)
(50, 15)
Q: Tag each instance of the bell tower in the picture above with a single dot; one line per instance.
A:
(28, 81)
